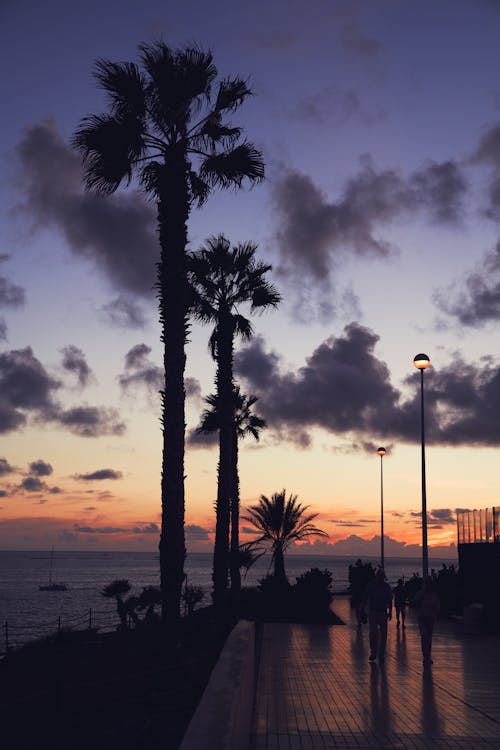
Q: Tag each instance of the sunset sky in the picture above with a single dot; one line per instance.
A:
(379, 121)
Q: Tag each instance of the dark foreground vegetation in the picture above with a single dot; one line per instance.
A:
(128, 689)
(135, 688)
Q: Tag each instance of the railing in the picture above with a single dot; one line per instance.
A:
(479, 526)
(15, 636)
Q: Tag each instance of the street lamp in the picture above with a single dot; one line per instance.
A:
(422, 362)
(381, 452)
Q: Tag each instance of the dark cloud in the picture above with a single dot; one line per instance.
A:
(27, 389)
(40, 468)
(442, 516)
(74, 361)
(90, 421)
(90, 507)
(351, 523)
(99, 475)
(124, 312)
(116, 233)
(314, 233)
(346, 389)
(32, 484)
(197, 439)
(441, 189)
(98, 529)
(192, 386)
(141, 372)
(5, 467)
(475, 299)
(197, 532)
(55, 490)
(147, 528)
(3, 493)
(11, 295)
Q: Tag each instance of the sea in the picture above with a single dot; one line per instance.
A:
(26, 613)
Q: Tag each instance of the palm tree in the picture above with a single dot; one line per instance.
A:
(281, 521)
(165, 125)
(223, 278)
(115, 590)
(244, 423)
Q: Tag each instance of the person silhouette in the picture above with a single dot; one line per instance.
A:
(378, 599)
(399, 603)
(427, 608)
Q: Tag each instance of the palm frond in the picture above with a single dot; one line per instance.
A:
(125, 86)
(231, 94)
(231, 168)
(109, 148)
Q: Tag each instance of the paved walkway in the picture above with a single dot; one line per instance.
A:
(317, 690)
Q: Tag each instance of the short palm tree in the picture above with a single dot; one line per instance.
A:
(280, 522)
(115, 590)
(245, 423)
(165, 125)
(223, 278)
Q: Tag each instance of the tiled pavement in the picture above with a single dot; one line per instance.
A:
(317, 690)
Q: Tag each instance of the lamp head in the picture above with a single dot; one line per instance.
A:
(381, 451)
(421, 361)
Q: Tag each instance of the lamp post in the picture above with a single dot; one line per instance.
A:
(422, 362)
(381, 452)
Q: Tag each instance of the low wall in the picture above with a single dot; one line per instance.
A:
(223, 718)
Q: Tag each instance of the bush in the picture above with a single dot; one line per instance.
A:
(313, 595)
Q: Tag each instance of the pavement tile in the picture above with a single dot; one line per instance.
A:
(316, 689)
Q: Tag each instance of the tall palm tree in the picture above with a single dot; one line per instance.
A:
(223, 278)
(165, 125)
(281, 521)
(244, 423)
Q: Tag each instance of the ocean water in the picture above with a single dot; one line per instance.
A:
(31, 613)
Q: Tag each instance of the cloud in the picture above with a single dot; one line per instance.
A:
(333, 105)
(5, 467)
(4, 493)
(192, 386)
(90, 421)
(40, 468)
(74, 361)
(116, 233)
(99, 475)
(141, 372)
(147, 528)
(474, 299)
(198, 533)
(98, 529)
(440, 188)
(197, 439)
(314, 234)
(11, 295)
(357, 42)
(32, 484)
(27, 389)
(345, 389)
(124, 312)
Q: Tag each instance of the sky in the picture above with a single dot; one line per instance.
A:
(379, 123)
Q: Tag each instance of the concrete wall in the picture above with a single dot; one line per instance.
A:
(223, 719)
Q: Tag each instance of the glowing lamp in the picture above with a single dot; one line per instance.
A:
(421, 361)
(381, 451)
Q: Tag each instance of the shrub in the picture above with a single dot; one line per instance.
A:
(312, 595)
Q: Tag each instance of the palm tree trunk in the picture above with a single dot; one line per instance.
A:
(279, 563)
(173, 212)
(222, 511)
(235, 519)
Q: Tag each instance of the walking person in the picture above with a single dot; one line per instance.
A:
(427, 606)
(400, 603)
(378, 600)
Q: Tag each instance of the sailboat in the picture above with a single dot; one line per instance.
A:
(51, 585)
